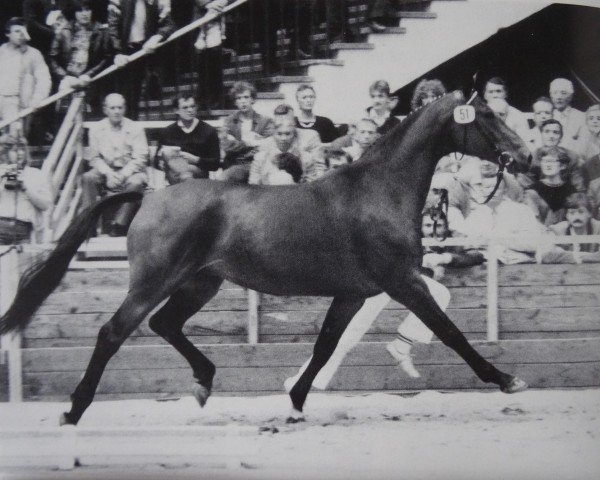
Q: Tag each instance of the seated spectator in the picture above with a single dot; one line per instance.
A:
(118, 153)
(588, 145)
(479, 180)
(327, 160)
(306, 119)
(542, 110)
(189, 147)
(309, 139)
(500, 107)
(24, 75)
(551, 134)
(25, 192)
(547, 195)
(247, 125)
(571, 119)
(80, 49)
(363, 136)
(426, 92)
(284, 140)
(435, 259)
(290, 170)
(382, 104)
(496, 88)
(578, 221)
(502, 217)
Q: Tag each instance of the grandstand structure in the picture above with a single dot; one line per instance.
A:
(538, 320)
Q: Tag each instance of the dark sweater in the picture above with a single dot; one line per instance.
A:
(554, 196)
(202, 141)
(323, 126)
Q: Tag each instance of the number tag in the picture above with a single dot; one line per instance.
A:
(464, 114)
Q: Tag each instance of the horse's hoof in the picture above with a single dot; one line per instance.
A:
(296, 416)
(201, 393)
(64, 419)
(514, 386)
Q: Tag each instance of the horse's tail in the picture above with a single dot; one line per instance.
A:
(41, 278)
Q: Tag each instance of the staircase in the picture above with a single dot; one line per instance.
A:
(400, 54)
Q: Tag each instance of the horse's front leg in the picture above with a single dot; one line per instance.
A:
(412, 291)
(337, 319)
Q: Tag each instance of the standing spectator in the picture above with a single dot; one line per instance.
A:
(551, 134)
(118, 157)
(426, 92)
(35, 14)
(542, 110)
(189, 147)
(209, 48)
(24, 75)
(80, 50)
(306, 119)
(382, 14)
(588, 145)
(548, 194)
(495, 88)
(135, 25)
(571, 119)
(25, 192)
(382, 104)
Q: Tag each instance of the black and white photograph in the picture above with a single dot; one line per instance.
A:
(300, 239)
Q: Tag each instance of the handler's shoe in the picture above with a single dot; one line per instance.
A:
(398, 349)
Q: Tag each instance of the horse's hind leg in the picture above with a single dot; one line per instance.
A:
(337, 319)
(413, 293)
(110, 337)
(169, 320)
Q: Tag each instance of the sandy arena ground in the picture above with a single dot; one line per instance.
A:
(543, 434)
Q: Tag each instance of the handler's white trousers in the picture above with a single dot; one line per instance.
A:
(411, 328)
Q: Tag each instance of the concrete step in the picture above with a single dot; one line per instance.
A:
(352, 46)
(406, 14)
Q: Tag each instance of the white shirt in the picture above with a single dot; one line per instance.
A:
(28, 205)
(573, 123)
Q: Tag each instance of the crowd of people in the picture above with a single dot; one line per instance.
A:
(68, 46)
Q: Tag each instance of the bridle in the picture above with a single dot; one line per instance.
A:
(504, 159)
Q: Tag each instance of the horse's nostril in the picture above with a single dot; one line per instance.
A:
(529, 159)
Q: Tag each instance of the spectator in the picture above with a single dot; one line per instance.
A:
(285, 139)
(289, 170)
(500, 107)
(551, 135)
(579, 221)
(382, 14)
(80, 49)
(363, 136)
(502, 217)
(382, 104)
(24, 75)
(189, 147)
(327, 160)
(571, 119)
(309, 139)
(305, 96)
(495, 88)
(118, 153)
(588, 145)
(135, 25)
(542, 110)
(25, 192)
(209, 48)
(547, 196)
(246, 124)
(35, 14)
(426, 92)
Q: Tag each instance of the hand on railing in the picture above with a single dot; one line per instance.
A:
(152, 43)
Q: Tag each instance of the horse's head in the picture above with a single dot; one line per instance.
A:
(477, 131)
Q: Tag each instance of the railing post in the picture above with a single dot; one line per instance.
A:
(253, 316)
(11, 342)
(492, 292)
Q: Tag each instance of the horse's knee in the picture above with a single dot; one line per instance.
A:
(158, 325)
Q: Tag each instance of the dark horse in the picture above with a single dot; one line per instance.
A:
(349, 235)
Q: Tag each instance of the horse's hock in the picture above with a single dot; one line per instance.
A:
(548, 326)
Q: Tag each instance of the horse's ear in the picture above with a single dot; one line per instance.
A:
(459, 96)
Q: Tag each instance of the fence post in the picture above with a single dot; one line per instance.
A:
(11, 342)
(492, 292)
(253, 308)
